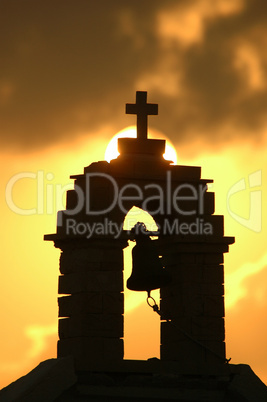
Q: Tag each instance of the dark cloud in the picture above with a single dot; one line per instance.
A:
(221, 90)
(69, 66)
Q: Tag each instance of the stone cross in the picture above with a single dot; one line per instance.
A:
(142, 109)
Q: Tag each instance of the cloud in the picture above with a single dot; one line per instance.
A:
(246, 329)
(39, 336)
(67, 67)
(238, 282)
(248, 62)
(222, 60)
(185, 23)
(42, 346)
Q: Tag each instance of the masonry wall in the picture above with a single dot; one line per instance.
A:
(91, 302)
(192, 326)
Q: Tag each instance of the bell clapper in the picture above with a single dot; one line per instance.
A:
(154, 306)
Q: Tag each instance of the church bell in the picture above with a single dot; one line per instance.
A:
(147, 271)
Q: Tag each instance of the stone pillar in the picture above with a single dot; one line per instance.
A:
(91, 306)
(192, 326)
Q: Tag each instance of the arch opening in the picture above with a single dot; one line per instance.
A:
(141, 324)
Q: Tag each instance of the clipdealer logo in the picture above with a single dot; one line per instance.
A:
(168, 199)
(108, 227)
(50, 198)
(254, 193)
(186, 200)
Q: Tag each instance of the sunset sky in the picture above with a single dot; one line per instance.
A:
(67, 69)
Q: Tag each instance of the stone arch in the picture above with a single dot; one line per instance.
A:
(91, 316)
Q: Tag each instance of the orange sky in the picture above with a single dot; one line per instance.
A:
(63, 86)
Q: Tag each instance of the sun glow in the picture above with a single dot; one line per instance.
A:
(130, 132)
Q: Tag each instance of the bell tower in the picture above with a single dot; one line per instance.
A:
(190, 240)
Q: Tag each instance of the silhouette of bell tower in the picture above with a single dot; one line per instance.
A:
(190, 240)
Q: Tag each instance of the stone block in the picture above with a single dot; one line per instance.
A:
(217, 223)
(190, 354)
(214, 258)
(180, 172)
(189, 281)
(112, 265)
(141, 146)
(112, 255)
(113, 303)
(212, 289)
(91, 303)
(214, 306)
(172, 250)
(95, 167)
(79, 181)
(100, 201)
(193, 305)
(200, 257)
(186, 207)
(210, 258)
(87, 350)
(185, 258)
(90, 259)
(189, 290)
(175, 330)
(181, 304)
(117, 215)
(212, 248)
(213, 274)
(208, 328)
(185, 273)
(98, 167)
(188, 198)
(170, 307)
(82, 303)
(91, 325)
(68, 266)
(147, 168)
(122, 167)
(215, 352)
(71, 199)
(94, 182)
(92, 281)
(209, 203)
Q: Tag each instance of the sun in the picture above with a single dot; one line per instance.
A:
(130, 132)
